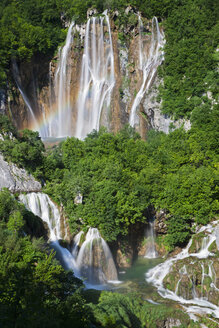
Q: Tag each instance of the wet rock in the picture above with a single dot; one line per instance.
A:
(124, 260)
(160, 223)
(78, 199)
(16, 179)
(171, 322)
(129, 10)
(91, 12)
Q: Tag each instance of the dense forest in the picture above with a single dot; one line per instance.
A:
(120, 176)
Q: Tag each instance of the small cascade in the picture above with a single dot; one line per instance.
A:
(26, 101)
(94, 260)
(182, 271)
(212, 275)
(197, 304)
(41, 205)
(150, 250)
(97, 76)
(148, 63)
(77, 240)
(203, 277)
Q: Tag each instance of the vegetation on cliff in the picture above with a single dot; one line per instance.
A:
(121, 176)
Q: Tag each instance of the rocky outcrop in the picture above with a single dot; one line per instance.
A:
(16, 179)
(197, 275)
(160, 225)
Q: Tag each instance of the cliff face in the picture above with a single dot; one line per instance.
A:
(41, 96)
(16, 179)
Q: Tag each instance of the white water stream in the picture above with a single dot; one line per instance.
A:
(62, 87)
(148, 63)
(97, 76)
(157, 275)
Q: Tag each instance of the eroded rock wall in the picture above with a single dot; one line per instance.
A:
(38, 80)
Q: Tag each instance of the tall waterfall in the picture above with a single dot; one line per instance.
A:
(62, 88)
(196, 304)
(97, 75)
(92, 260)
(148, 63)
(150, 250)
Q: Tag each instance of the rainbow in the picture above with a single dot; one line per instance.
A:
(48, 121)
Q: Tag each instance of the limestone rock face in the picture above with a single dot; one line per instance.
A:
(16, 179)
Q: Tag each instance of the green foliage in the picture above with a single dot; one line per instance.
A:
(189, 69)
(121, 176)
(27, 28)
(35, 290)
(179, 232)
(120, 311)
(24, 149)
(104, 168)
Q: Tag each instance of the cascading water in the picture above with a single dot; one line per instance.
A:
(41, 205)
(97, 75)
(59, 93)
(196, 304)
(62, 87)
(148, 63)
(150, 250)
(94, 260)
(77, 240)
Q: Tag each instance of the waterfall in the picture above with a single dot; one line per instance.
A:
(140, 28)
(97, 75)
(150, 250)
(77, 240)
(148, 63)
(94, 260)
(19, 85)
(157, 275)
(41, 205)
(62, 87)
